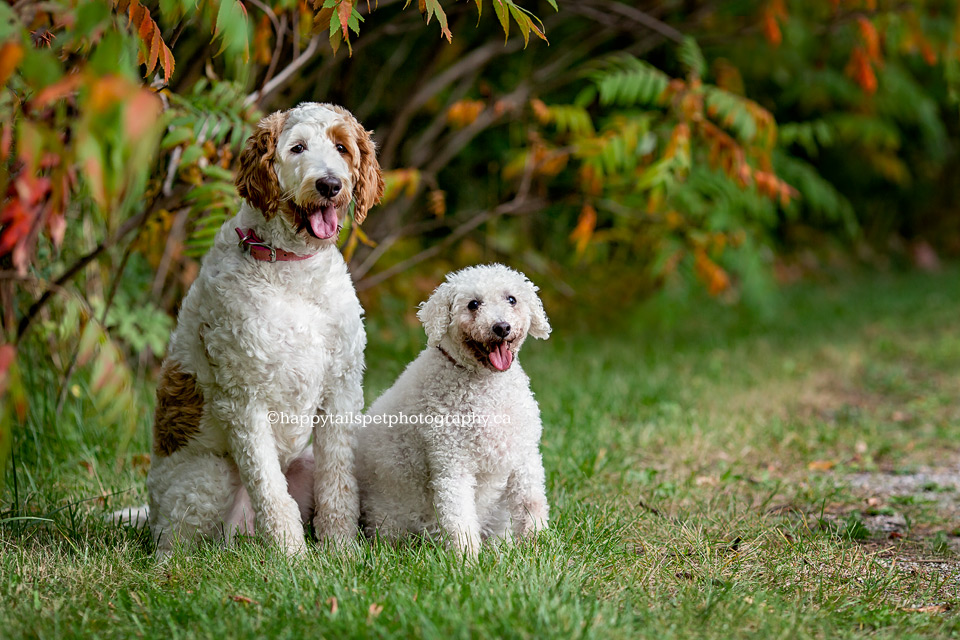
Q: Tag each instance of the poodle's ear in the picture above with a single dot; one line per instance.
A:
(539, 325)
(436, 314)
(256, 179)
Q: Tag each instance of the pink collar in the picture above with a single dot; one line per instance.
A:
(259, 250)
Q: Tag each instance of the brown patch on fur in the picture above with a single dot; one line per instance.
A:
(179, 409)
(256, 180)
(367, 178)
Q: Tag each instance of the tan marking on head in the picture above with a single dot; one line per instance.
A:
(179, 409)
(256, 179)
(367, 178)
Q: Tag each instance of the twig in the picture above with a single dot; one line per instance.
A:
(176, 231)
(277, 51)
(474, 60)
(83, 261)
(270, 14)
(512, 207)
(644, 19)
(288, 71)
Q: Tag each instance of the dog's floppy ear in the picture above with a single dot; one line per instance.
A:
(256, 179)
(539, 325)
(435, 314)
(369, 181)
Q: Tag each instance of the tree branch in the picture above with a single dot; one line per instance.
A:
(288, 71)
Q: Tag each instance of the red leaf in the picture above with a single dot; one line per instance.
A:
(6, 140)
(344, 10)
(8, 353)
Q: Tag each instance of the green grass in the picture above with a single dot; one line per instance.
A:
(701, 476)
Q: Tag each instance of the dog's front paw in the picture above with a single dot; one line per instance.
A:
(465, 544)
(535, 520)
(285, 529)
(337, 531)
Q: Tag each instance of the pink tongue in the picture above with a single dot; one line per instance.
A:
(323, 221)
(501, 357)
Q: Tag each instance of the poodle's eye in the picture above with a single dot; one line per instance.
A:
(341, 149)
(511, 300)
(297, 148)
(473, 305)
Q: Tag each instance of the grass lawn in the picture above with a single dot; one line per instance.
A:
(716, 478)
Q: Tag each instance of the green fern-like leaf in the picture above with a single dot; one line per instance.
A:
(692, 58)
(628, 81)
(732, 112)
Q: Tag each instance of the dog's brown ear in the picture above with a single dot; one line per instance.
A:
(256, 179)
(369, 183)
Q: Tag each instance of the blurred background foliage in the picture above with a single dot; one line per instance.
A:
(610, 149)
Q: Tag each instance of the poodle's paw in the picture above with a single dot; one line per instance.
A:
(466, 544)
(337, 531)
(285, 529)
(535, 520)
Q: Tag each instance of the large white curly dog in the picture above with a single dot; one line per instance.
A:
(455, 450)
(270, 329)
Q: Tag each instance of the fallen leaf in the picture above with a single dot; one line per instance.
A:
(332, 601)
(243, 599)
(374, 611)
(929, 608)
(821, 465)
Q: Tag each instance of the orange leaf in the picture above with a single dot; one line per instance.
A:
(870, 38)
(586, 224)
(57, 91)
(861, 71)
(168, 63)
(11, 53)
(344, 10)
(464, 112)
(711, 273)
(141, 113)
(771, 29)
(822, 465)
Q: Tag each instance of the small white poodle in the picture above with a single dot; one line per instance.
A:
(453, 447)
(269, 336)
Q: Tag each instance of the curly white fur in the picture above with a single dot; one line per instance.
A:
(479, 473)
(262, 337)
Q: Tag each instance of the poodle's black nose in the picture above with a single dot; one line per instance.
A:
(502, 329)
(328, 186)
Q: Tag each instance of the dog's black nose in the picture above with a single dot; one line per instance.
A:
(328, 186)
(502, 329)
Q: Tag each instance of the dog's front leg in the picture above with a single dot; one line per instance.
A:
(527, 497)
(454, 494)
(252, 446)
(337, 499)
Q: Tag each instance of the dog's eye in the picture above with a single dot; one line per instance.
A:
(297, 148)
(511, 300)
(341, 148)
(473, 305)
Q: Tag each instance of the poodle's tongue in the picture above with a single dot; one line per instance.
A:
(501, 357)
(323, 221)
